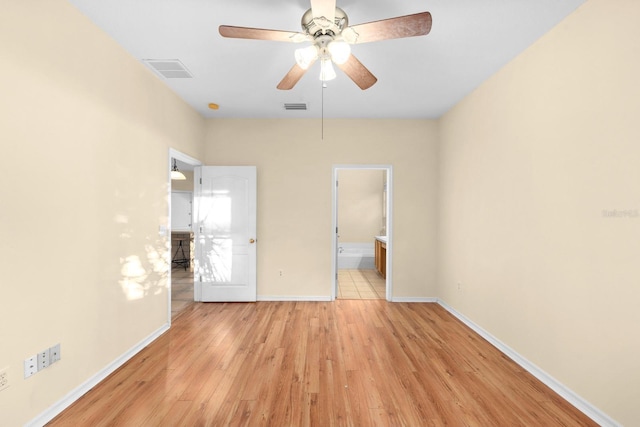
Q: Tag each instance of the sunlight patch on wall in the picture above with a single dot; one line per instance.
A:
(133, 277)
(159, 266)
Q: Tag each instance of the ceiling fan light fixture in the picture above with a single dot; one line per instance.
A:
(327, 28)
(326, 70)
(340, 51)
(305, 56)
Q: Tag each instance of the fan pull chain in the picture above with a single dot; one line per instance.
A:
(323, 85)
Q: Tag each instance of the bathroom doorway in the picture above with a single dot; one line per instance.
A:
(362, 244)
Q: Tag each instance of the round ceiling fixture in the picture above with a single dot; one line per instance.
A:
(315, 26)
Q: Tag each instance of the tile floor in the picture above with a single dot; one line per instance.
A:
(360, 284)
(352, 284)
(181, 289)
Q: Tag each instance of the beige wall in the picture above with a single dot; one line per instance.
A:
(294, 195)
(87, 130)
(360, 205)
(530, 162)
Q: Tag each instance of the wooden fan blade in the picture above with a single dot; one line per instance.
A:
(358, 73)
(418, 24)
(326, 8)
(259, 34)
(293, 76)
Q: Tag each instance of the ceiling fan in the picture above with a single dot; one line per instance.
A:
(327, 28)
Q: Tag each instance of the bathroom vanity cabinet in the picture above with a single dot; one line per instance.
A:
(381, 255)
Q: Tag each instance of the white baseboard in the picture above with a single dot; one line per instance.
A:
(414, 299)
(75, 394)
(274, 298)
(582, 405)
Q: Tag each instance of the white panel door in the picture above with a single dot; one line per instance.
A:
(225, 233)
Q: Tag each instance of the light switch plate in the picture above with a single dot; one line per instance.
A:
(54, 354)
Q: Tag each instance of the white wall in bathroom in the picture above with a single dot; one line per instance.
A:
(360, 205)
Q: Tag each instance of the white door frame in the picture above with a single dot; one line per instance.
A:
(389, 225)
(174, 154)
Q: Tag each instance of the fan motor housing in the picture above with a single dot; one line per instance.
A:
(318, 26)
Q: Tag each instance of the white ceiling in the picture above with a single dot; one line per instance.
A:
(419, 77)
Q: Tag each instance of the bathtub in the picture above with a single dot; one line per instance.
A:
(356, 256)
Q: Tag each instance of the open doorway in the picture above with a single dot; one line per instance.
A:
(181, 248)
(362, 244)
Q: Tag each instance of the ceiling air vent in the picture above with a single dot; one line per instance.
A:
(169, 68)
(294, 106)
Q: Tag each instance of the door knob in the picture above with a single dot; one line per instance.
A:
(252, 241)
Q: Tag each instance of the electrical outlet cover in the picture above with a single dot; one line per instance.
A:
(30, 366)
(43, 359)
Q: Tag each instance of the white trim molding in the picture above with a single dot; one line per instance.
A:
(414, 299)
(569, 395)
(83, 388)
(280, 298)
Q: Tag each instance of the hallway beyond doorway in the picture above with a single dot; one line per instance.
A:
(181, 290)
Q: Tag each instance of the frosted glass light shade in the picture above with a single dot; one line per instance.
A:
(326, 70)
(306, 55)
(340, 51)
(177, 175)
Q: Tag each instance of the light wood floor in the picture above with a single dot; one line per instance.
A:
(349, 362)
(181, 290)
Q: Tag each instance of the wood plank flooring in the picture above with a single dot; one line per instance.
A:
(344, 363)
(181, 290)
